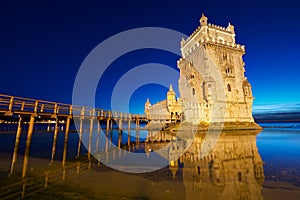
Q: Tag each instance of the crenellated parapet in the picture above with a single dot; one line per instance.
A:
(212, 34)
(212, 41)
(229, 29)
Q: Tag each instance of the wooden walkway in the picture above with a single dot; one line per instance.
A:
(11, 105)
(31, 111)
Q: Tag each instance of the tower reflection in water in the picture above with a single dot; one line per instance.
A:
(233, 169)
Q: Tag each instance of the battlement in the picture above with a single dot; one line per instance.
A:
(212, 26)
(227, 29)
(213, 41)
(184, 42)
(210, 33)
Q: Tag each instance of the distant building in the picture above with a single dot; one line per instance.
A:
(166, 109)
(212, 84)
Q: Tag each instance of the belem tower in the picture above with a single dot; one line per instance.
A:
(212, 84)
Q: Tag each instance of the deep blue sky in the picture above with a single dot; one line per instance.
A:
(43, 43)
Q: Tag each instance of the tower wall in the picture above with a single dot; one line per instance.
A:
(210, 58)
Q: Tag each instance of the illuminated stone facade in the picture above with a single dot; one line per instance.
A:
(212, 84)
(167, 109)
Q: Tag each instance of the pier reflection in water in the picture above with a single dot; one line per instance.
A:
(233, 169)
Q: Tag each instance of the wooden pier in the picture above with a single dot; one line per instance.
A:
(26, 113)
(31, 111)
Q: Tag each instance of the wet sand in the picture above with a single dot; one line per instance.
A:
(118, 185)
(105, 183)
(280, 190)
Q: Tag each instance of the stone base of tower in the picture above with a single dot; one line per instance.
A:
(232, 126)
(217, 126)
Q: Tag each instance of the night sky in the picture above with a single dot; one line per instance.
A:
(43, 44)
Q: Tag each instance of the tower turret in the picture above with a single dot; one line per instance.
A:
(230, 27)
(147, 106)
(171, 96)
(203, 20)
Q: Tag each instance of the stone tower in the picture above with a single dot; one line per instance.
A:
(147, 106)
(212, 76)
(171, 98)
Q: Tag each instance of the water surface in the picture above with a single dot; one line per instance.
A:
(242, 165)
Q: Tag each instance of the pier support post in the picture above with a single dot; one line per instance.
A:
(54, 141)
(120, 134)
(137, 134)
(90, 138)
(48, 127)
(107, 125)
(17, 143)
(119, 139)
(80, 136)
(111, 124)
(106, 141)
(66, 141)
(129, 128)
(120, 125)
(24, 184)
(46, 179)
(82, 114)
(27, 148)
(98, 142)
(106, 147)
(98, 136)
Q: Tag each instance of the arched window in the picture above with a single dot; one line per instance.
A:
(246, 91)
(229, 71)
(228, 87)
(193, 91)
(239, 176)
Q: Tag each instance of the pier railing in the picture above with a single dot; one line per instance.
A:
(10, 105)
(13, 105)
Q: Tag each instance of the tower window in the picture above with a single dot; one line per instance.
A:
(229, 71)
(228, 87)
(240, 176)
(193, 91)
